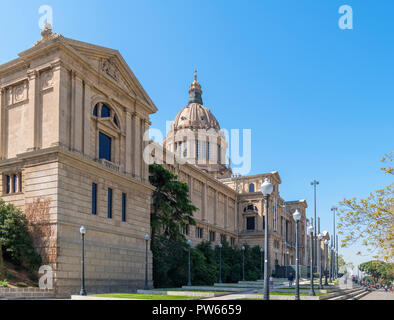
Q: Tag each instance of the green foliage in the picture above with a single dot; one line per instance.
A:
(370, 220)
(4, 283)
(379, 271)
(171, 206)
(2, 268)
(15, 238)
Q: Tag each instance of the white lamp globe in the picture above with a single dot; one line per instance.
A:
(82, 230)
(220, 245)
(310, 229)
(243, 248)
(296, 216)
(267, 187)
(189, 242)
(147, 237)
(319, 236)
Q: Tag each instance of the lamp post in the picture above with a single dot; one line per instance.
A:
(326, 261)
(266, 189)
(312, 291)
(189, 277)
(243, 263)
(146, 262)
(333, 209)
(337, 257)
(220, 262)
(319, 237)
(261, 263)
(287, 261)
(314, 183)
(331, 276)
(82, 230)
(297, 217)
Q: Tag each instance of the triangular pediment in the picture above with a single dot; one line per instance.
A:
(111, 65)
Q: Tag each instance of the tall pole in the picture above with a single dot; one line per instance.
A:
(312, 291)
(337, 257)
(220, 263)
(266, 248)
(314, 183)
(319, 237)
(325, 261)
(243, 263)
(297, 289)
(83, 291)
(189, 281)
(261, 263)
(333, 209)
(146, 262)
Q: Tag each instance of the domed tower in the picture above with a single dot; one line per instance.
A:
(196, 138)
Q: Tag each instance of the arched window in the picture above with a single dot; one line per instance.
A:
(116, 121)
(95, 111)
(251, 187)
(105, 111)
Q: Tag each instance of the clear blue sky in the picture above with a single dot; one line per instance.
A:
(319, 100)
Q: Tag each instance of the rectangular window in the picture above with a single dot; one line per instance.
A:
(197, 149)
(123, 207)
(223, 238)
(7, 185)
(109, 209)
(185, 230)
(94, 198)
(104, 147)
(20, 182)
(14, 183)
(250, 223)
(208, 151)
(199, 232)
(232, 241)
(212, 236)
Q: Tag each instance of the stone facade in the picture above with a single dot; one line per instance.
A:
(72, 124)
(50, 138)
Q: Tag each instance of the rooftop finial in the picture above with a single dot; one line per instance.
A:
(195, 91)
(47, 31)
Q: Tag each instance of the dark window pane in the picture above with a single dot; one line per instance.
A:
(105, 111)
(7, 187)
(95, 110)
(250, 223)
(116, 121)
(94, 198)
(104, 147)
(123, 207)
(14, 183)
(251, 187)
(20, 182)
(109, 209)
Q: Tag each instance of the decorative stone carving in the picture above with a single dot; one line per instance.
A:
(47, 79)
(109, 67)
(16, 93)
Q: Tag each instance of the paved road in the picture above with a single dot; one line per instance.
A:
(379, 295)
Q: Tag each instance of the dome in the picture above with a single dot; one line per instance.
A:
(195, 116)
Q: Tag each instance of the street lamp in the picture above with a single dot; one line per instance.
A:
(333, 209)
(312, 291)
(82, 230)
(261, 263)
(326, 261)
(266, 190)
(287, 261)
(189, 278)
(319, 237)
(146, 262)
(297, 217)
(243, 263)
(337, 270)
(331, 258)
(314, 183)
(220, 262)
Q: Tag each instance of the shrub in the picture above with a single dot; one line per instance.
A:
(4, 283)
(14, 235)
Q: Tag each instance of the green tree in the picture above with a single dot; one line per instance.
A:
(378, 270)
(370, 220)
(2, 269)
(171, 206)
(15, 237)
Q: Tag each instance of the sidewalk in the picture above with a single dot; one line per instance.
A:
(379, 295)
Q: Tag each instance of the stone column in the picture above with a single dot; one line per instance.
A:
(215, 207)
(128, 142)
(2, 124)
(225, 212)
(204, 202)
(134, 142)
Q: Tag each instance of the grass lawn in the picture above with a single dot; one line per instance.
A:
(144, 296)
(190, 290)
